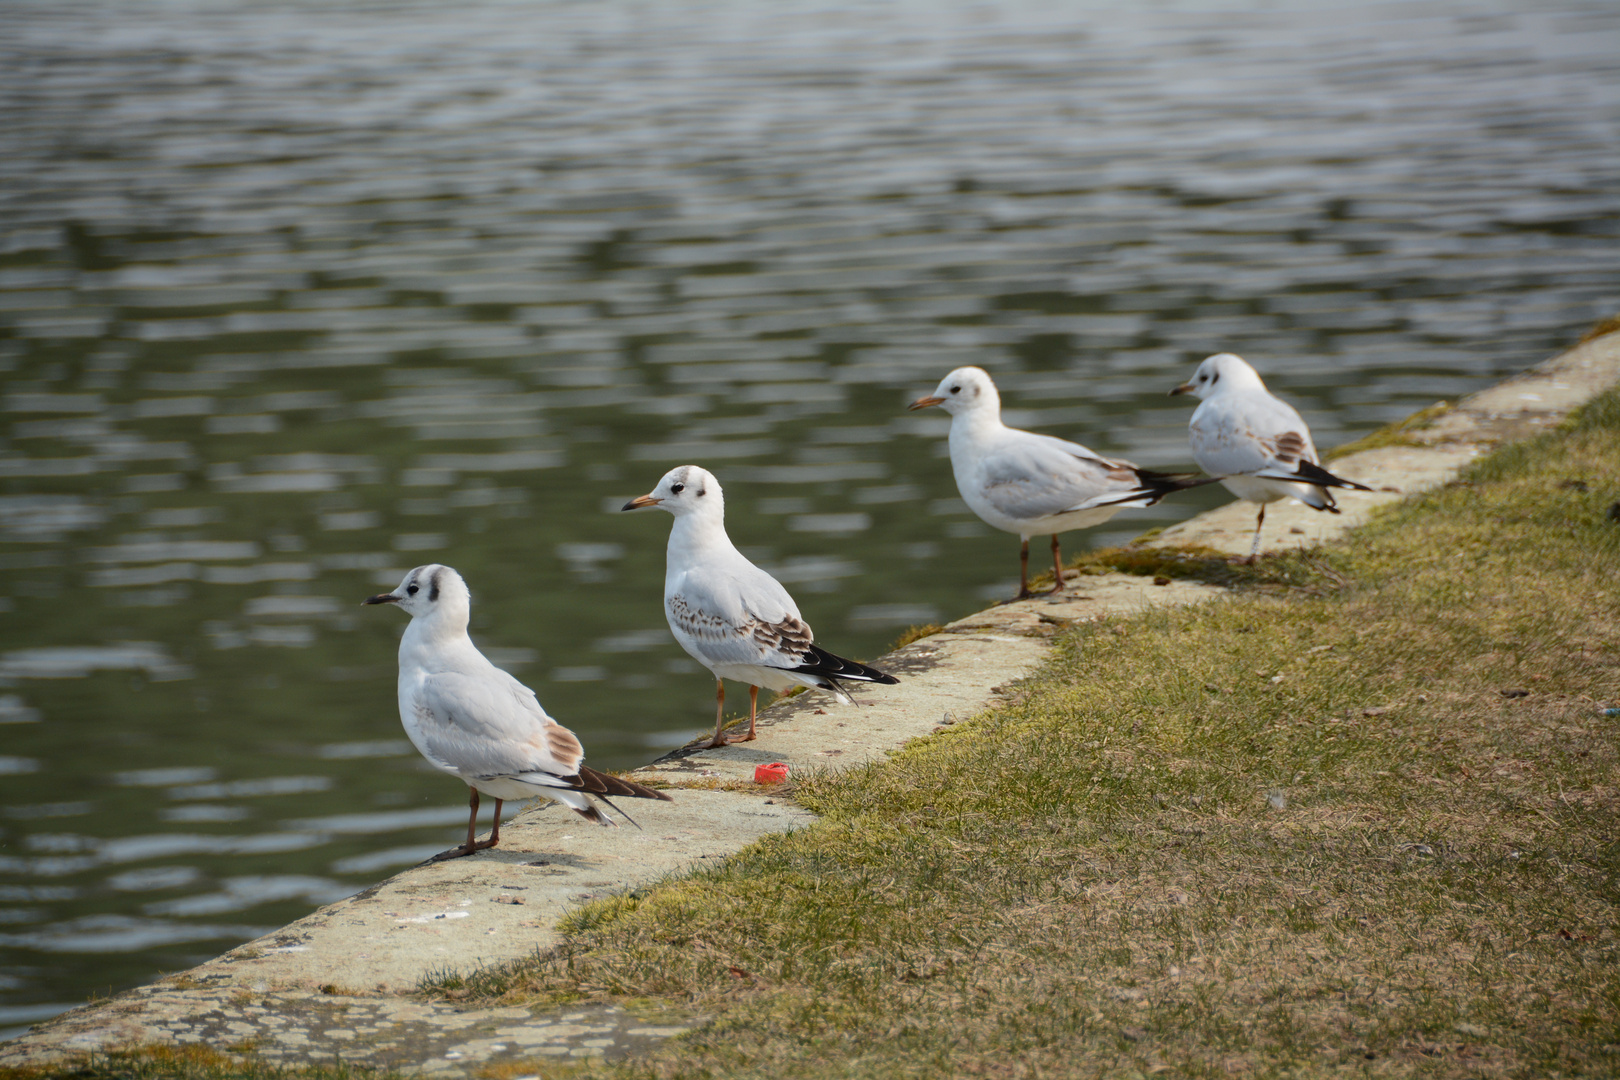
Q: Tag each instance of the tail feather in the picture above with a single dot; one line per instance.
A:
(601, 784)
(823, 663)
(1151, 487)
(1162, 484)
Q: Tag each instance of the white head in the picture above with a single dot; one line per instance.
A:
(430, 592)
(1221, 372)
(685, 489)
(967, 389)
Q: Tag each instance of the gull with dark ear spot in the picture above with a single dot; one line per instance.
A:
(728, 614)
(1253, 442)
(1026, 483)
(474, 721)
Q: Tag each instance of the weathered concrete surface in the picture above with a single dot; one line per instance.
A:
(498, 905)
(337, 983)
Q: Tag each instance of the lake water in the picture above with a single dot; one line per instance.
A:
(294, 297)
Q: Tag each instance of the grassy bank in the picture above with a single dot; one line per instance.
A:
(1364, 817)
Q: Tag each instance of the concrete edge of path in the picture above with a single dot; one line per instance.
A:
(364, 955)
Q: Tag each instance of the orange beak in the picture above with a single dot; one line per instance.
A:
(1184, 388)
(640, 502)
(924, 402)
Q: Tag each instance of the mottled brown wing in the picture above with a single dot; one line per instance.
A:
(789, 637)
(1290, 447)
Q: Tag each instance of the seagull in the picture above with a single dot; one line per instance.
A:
(728, 614)
(1254, 443)
(1027, 483)
(473, 720)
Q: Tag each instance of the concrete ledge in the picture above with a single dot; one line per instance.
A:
(336, 983)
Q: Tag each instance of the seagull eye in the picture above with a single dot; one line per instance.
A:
(676, 489)
(413, 590)
(955, 389)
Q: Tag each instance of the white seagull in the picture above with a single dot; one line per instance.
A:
(1027, 483)
(728, 614)
(1253, 443)
(473, 720)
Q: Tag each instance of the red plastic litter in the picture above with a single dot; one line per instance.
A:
(774, 773)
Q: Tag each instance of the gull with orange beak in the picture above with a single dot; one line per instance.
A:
(1026, 483)
(475, 722)
(728, 614)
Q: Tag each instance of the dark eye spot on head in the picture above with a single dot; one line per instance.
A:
(412, 590)
(676, 489)
(956, 389)
(702, 492)
(1215, 378)
(433, 591)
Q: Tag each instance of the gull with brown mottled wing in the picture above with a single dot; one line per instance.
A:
(1255, 443)
(728, 614)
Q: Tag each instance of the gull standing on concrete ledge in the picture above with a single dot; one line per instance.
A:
(1026, 483)
(728, 614)
(473, 720)
(1255, 444)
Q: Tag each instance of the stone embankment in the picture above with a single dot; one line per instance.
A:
(339, 983)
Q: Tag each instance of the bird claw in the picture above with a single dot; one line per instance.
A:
(458, 852)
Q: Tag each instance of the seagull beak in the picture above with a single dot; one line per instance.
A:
(640, 502)
(1184, 388)
(924, 402)
(381, 598)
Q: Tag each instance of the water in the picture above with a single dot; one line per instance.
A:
(293, 298)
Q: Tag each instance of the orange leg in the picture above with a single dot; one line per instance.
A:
(1254, 548)
(1057, 566)
(753, 707)
(472, 844)
(1023, 570)
(719, 714)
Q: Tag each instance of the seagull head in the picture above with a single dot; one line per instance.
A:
(431, 591)
(1223, 371)
(685, 489)
(967, 389)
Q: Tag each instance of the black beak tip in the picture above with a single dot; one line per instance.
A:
(631, 505)
(381, 598)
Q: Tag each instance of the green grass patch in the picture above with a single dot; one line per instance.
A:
(1362, 817)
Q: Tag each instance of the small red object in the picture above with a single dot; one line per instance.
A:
(774, 773)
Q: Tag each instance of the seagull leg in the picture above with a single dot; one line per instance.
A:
(1254, 548)
(472, 830)
(1057, 566)
(495, 827)
(719, 714)
(1023, 570)
(753, 705)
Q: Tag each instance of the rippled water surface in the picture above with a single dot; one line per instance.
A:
(295, 297)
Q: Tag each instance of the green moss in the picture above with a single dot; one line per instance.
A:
(1396, 434)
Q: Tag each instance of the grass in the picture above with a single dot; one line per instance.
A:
(1361, 818)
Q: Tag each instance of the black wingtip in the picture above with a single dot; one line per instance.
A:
(1312, 473)
(829, 666)
(1156, 485)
